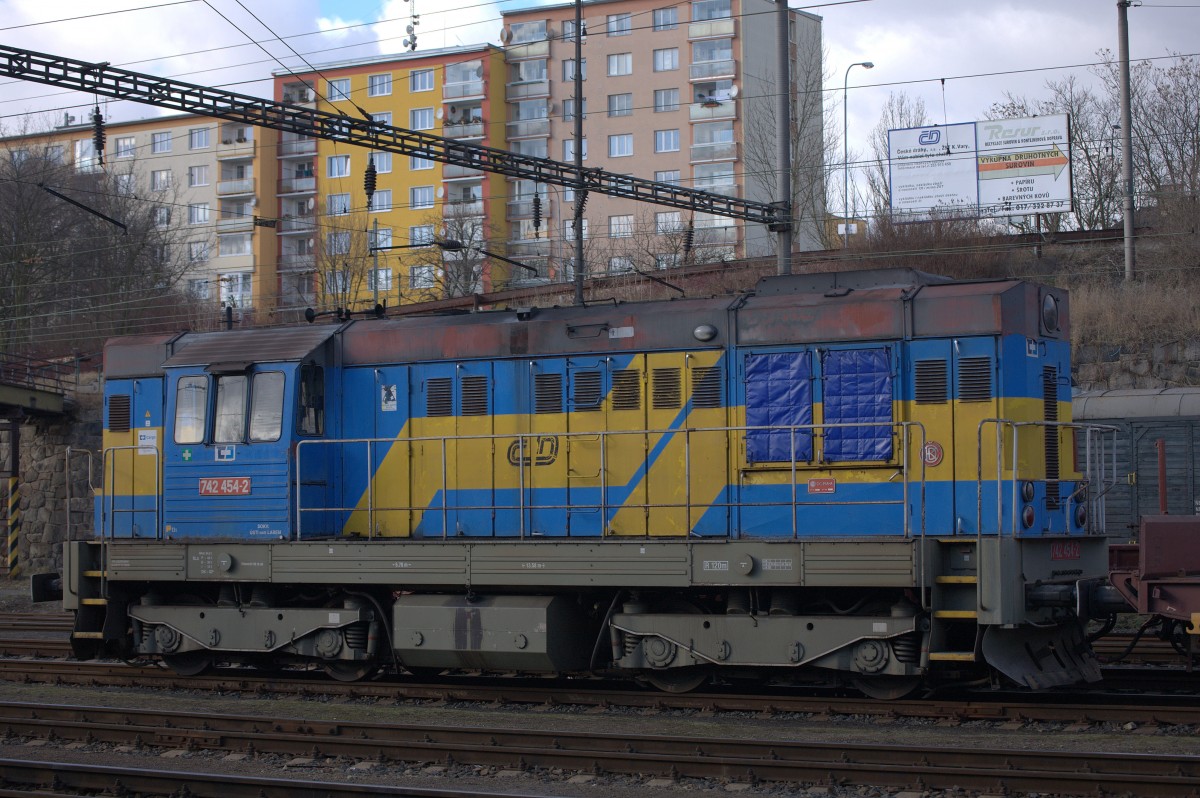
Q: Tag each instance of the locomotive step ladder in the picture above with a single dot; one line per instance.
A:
(954, 601)
(94, 623)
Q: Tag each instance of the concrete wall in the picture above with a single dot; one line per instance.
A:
(43, 479)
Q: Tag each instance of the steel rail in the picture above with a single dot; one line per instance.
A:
(690, 756)
(123, 84)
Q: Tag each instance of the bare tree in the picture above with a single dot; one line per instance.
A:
(900, 111)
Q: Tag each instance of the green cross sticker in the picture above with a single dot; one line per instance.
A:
(187, 455)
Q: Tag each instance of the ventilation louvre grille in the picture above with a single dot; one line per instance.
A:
(1050, 410)
(475, 395)
(975, 379)
(587, 391)
(706, 387)
(547, 393)
(667, 389)
(119, 417)
(933, 382)
(439, 399)
(627, 390)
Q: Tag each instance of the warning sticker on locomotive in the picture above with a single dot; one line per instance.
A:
(387, 399)
(225, 486)
(822, 485)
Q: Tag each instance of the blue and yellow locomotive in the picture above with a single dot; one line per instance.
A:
(869, 477)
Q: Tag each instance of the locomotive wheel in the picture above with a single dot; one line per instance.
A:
(676, 680)
(345, 670)
(189, 663)
(886, 688)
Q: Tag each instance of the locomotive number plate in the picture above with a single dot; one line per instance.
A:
(225, 486)
(1065, 550)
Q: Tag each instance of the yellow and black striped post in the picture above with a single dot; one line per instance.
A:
(14, 500)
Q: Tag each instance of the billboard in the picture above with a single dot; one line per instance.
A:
(1002, 167)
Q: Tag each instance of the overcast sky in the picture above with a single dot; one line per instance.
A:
(981, 49)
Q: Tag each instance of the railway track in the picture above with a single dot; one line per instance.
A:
(744, 760)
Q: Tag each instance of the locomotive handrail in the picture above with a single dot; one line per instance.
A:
(108, 507)
(91, 463)
(526, 448)
(1000, 425)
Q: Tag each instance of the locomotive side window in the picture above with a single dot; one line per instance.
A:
(266, 407)
(191, 409)
(229, 422)
(779, 394)
(311, 418)
(858, 389)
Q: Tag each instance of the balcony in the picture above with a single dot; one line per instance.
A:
(527, 90)
(229, 188)
(713, 29)
(727, 190)
(522, 208)
(235, 223)
(706, 70)
(526, 50)
(297, 185)
(470, 130)
(229, 149)
(292, 262)
(706, 112)
(456, 91)
(297, 147)
(454, 171)
(524, 128)
(528, 248)
(720, 151)
(300, 94)
(464, 208)
(296, 224)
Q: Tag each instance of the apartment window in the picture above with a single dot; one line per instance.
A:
(666, 140)
(620, 24)
(712, 50)
(569, 150)
(420, 197)
(620, 226)
(160, 142)
(338, 242)
(620, 145)
(198, 289)
(667, 260)
(235, 291)
(337, 166)
(382, 201)
(381, 237)
(569, 109)
(422, 276)
(337, 281)
(666, 18)
(379, 85)
(420, 234)
(416, 163)
(669, 176)
(568, 30)
(666, 59)
(160, 180)
(234, 244)
(337, 204)
(531, 71)
(420, 119)
(420, 80)
(338, 90)
(710, 9)
(709, 175)
(532, 109)
(620, 104)
(523, 32)
(382, 118)
(125, 184)
(379, 279)
(620, 264)
(198, 213)
(620, 64)
(568, 229)
(197, 176)
(382, 161)
(568, 69)
(535, 147)
(198, 252)
(198, 138)
(125, 147)
(162, 216)
(666, 222)
(666, 100)
(54, 154)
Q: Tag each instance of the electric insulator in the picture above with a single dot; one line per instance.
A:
(98, 134)
(688, 237)
(369, 181)
(537, 214)
(580, 203)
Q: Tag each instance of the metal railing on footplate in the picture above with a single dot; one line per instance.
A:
(433, 455)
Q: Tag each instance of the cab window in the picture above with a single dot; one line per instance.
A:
(229, 422)
(266, 407)
(191, 409)
(311, 418)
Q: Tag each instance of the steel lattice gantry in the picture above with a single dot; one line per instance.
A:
(122, 84)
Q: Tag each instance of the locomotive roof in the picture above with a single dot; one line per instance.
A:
(228, 349)
(1134, 403)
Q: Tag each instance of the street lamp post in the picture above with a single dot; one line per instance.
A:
(846, 152)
